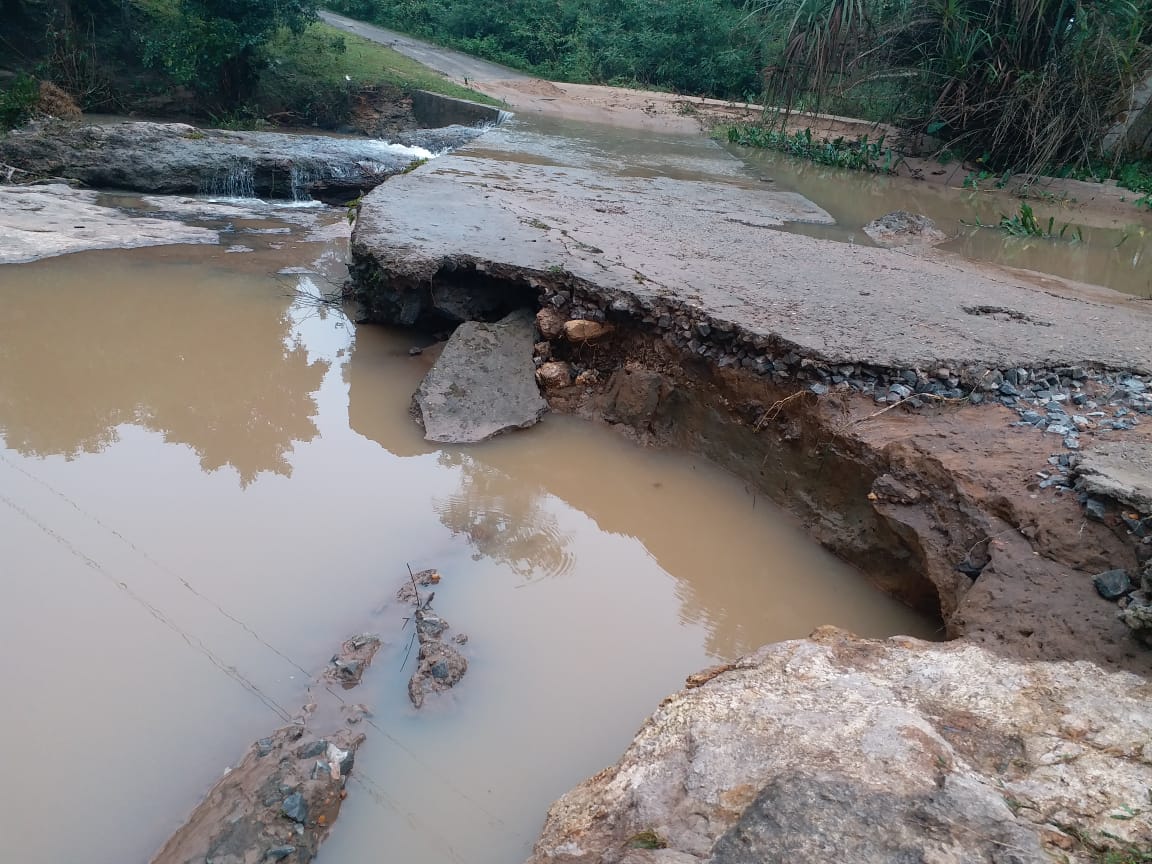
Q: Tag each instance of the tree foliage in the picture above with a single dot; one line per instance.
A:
(690, 46)
(217, 45)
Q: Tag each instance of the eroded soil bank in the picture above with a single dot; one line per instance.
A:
(778, 355)
(925, 419)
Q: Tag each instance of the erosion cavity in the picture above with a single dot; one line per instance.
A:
(455, 292)
(631, 373)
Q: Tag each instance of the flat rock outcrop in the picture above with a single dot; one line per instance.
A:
(836, 748)
(53, 219)
(173, 158)
(484, 383)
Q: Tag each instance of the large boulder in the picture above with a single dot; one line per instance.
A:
(838, 749)
(484, 383)
(173, 158)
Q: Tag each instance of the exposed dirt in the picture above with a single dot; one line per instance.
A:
(907, 497)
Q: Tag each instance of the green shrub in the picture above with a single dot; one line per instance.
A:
(17, 100)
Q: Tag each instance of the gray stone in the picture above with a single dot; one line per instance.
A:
(1095, 509)
(1121, 470)
(901, 228)
(1113, 584)
(174, 158)
(483, 383)
(312, 749)
(279, 853)
(295, 808)
(900, 391)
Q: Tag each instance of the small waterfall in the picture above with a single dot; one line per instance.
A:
(234, 179)
(503, 117)
(302, 176)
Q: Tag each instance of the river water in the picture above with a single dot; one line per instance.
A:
(208, 479)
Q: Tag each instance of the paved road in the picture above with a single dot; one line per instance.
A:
(451, 63)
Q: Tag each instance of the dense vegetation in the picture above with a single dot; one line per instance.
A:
(1026, 84)
(690, 46)
(233, 62)
(1018, 84)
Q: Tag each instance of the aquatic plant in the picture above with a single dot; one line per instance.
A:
(1023, 223)
(860, 154)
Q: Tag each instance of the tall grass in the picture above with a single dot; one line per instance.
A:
(1022, 84)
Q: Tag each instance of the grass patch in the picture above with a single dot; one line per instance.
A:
(329, 58)
(860, 154)
(647, 840)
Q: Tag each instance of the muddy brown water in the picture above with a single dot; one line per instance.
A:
(1116, 254)
(206, 482)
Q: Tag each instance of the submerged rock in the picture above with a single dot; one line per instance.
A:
(484, 383)
(841, 749)
(174, 158)
(271, 806)
(440, 668)
(901, 228)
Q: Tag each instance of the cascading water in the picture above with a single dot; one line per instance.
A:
(234, 179)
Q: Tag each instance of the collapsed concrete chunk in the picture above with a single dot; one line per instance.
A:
(483, 384)
(1121, 470)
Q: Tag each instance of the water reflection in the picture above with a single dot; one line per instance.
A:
(204, 356)
(740, 569)
(505, 517)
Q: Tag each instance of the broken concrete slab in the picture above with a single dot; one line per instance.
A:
(1121, 470)
(483, 384)
(704, 250)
